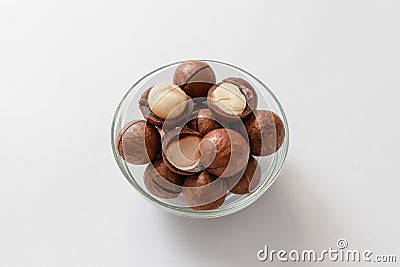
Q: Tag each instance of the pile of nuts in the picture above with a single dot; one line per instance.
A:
(200, 137)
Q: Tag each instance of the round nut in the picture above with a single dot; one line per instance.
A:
(204, 191)
(245, 183)
(265, 131)
(160, 181)
(138, 142)
(180, 151)
(232, 99)
(194, 77)
(167, 100)
(225, 152)
(204, 122)
(169, 122)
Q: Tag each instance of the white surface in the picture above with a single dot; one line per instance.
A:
(64, 65)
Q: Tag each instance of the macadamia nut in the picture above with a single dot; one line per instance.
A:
(167, 100)
(229, 98)
(225, 152)
(161, 181)
(138, 142)
(194, 77)
(266, 132)
(204, 191)
(246, 181)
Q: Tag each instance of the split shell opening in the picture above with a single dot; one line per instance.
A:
(167, 109)
(232, 99)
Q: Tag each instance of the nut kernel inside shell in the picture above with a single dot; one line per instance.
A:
(184, 153)
(167, 100)
(229, 98)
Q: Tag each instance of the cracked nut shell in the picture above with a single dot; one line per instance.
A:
(204, 122)
(167, 123)
(194, 77)
(204, 191)
(248, 92)
(160, 181)
(245, 183)
(138, 142)
(173, 136)
(225, 152)
(265, 131)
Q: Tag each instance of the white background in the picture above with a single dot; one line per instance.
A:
(64, 66)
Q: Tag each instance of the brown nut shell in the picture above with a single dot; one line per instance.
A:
(266, 132)
(245, 183)
(174, 135)
(167, 123)
(204, 122)
(138, 142)
(160, 181)
(194, 77)
(225, 152)
(204, 191)
(247, 90)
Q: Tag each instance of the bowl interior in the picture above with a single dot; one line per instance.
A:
(128, 110)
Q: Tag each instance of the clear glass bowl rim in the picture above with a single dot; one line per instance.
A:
(225, 209)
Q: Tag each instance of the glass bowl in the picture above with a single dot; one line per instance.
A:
(128, 109)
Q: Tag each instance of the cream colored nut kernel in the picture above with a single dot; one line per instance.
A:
(229, 98)
(184, 153)
(167, 100)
